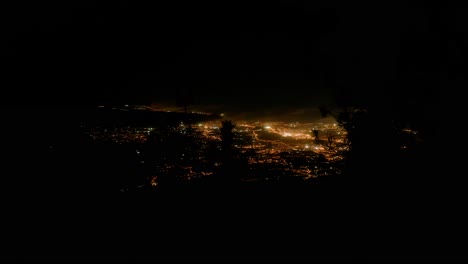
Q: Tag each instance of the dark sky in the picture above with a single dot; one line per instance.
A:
(238, 54)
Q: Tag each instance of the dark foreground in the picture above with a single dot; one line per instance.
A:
(59, 210)
(243, 223)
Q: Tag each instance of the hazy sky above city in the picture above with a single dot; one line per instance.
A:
(273, 57)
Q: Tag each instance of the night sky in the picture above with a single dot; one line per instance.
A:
(269, 57)
(404, 64)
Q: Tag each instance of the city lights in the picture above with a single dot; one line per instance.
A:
(278, 148)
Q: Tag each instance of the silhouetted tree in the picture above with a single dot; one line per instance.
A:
(315, 132)
(231, 169)
(330, 140)
(374, 102)
(227, 135)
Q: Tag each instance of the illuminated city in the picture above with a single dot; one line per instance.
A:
(233, 130)
(273, 150)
